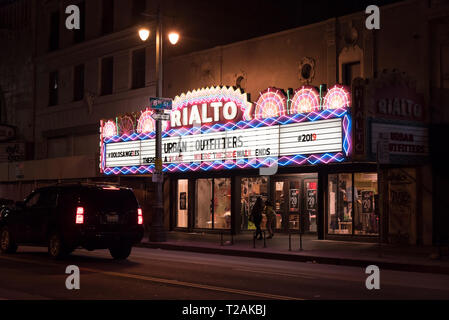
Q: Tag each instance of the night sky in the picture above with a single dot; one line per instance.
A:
(206, 24)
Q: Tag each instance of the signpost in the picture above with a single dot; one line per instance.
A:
(158, 164)
(161, 116)
(161, 103)
(157, 177)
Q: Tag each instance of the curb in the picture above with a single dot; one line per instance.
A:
(301, 258)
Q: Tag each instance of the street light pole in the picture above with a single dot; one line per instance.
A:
(157, 232)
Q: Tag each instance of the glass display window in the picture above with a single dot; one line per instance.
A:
(203, 207)
(183, 204)
(279, 202)
(213, 203)
(352, 204)
(340, 203)
(222, 203)
(366, 219)
(251, 189)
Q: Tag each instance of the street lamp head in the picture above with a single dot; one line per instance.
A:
(173, 37)
(144, 34)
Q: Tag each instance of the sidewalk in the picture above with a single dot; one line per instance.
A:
(403, 258)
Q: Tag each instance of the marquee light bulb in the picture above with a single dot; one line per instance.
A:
(144, 34)
(173, 37)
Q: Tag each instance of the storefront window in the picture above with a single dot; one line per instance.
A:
(213, 203)
(343, 195)
(340, 204)
(366, 195)
(251, 189)
(222, 203)
(182, 210)
(203, 216)
(279, 202)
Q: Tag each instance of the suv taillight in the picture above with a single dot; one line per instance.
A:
(139, 216)
(79, 215)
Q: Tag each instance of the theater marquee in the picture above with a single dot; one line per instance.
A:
(218, 128)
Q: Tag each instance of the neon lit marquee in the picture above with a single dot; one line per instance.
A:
(295, 132)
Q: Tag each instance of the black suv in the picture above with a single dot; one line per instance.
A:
(66, 217)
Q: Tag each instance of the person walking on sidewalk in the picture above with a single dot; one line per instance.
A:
(271, 218)
(256, 215)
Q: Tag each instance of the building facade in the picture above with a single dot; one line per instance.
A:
(16, 82)
(395, 77)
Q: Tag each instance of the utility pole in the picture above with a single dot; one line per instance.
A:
(157, 232)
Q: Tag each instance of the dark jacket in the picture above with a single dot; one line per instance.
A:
(256, 213)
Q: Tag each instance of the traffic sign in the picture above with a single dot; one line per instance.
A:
(161, 116)
(161, 103)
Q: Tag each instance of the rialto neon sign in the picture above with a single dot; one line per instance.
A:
(208, 106)
(219, 128)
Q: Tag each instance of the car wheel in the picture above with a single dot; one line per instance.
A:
(7, 244)
(121, 252)
(56, 247)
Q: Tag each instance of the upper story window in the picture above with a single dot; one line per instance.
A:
(78, 83)
(138, 7)
(138, 68)
(53, 87)
(107, 75)
(350, 72)
(107, 20)
(54, 31)
(79, 34)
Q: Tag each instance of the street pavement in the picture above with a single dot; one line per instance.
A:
(284, 247)
(178, 275)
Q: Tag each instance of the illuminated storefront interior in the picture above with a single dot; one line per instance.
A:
(353, 204)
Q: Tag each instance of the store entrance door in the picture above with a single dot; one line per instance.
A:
(310, 204)
(213, 203)
(295, 202)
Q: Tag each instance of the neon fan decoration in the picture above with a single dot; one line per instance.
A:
(125, 125)
(243, 163)
(146, 122)
(109, 129)
(337, 97)
(305, 99)
(271, 103)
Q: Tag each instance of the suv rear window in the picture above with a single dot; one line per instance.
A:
(111, 199)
